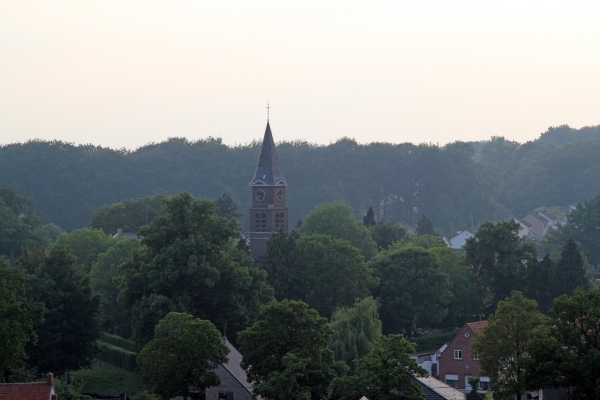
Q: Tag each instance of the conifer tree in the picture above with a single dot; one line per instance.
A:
(425, 227)
(369, 219)
(571, 270)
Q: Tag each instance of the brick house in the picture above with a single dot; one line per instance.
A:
(457, 363)
(29, 391)
(234, 381)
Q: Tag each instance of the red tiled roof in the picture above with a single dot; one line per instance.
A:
(25, 391)
(475, 326)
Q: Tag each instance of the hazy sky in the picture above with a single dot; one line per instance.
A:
(125, 73)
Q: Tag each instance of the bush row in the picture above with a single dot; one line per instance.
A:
(119, 342)
(117, 356)
(433, 342)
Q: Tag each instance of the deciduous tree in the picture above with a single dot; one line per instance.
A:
(502, 345)
(103, 274)
(413, 289)
(386, 373)
(386, 233)
(355, 330)
(338, 221)
(286, 354)
(189, 261)
(184, 353)
(332, 273)
(18, 316)
(498, 261)
(67, 337)
(566, 351)
(86, 244)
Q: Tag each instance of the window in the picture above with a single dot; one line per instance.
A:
(452, 380)
(458, 354)
(475, 355)
(279, 221)
(484, 383)
(260, 223)
(263, 222)
(226, 396)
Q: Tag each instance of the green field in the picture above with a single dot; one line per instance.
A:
(106, 379)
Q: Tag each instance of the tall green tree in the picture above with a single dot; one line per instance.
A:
(86, 244)
(413, 289)
(67, 336)
(581, 226)
(386, 373)
(338, 221)
(425, 227)
(332, 273)
(498, 261)
(369, 218)
(355, 330)
(286, 354)
(18, 316)
(540, 282)
(502, 345)
(281, 261)
(571, 271)
(566, 351)
(386, 233)
(463, 305)
(189, 261)
(129, 215)
(20, 226)
(227, 207)
(184, 353)
(103, 274)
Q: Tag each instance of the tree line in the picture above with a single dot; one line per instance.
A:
(362, 280)
(453, 184)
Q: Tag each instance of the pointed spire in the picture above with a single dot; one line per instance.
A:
(268, 171)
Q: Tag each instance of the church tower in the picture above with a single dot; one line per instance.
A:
(268, 213)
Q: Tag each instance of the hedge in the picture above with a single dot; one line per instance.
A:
(117, 356)
(119, 342)
(433, 342)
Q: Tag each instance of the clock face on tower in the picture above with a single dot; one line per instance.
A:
(279, 195)
(260, 195)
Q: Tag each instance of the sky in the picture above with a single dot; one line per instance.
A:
(126, 73)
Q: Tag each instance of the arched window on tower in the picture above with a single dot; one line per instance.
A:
(257, 223)
(263, 223)
(279, 221)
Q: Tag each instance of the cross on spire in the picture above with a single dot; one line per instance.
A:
(268, 107)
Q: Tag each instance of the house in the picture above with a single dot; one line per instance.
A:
(457, 362)
(459, 240)
(436, 390)
(234, 381)
(539, 222)
(524, 227)
(29, 391)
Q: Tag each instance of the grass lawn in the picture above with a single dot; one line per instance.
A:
(106, 379)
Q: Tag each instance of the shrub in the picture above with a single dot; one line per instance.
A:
(433, 342)
(117, 356)
(119, 341)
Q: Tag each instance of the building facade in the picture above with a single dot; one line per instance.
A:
(268, 213)
(457, 362)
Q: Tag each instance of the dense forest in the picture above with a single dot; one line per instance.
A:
(455, 185)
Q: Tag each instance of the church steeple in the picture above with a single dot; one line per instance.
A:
(268, 213)
(268, 172)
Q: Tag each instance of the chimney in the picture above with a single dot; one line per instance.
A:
(49, 379)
